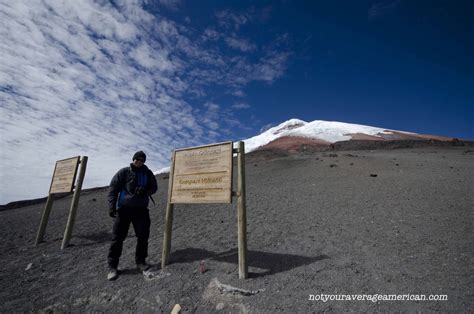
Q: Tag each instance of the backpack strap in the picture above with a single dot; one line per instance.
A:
(154, 204)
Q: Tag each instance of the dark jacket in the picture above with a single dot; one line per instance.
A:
(124, 184)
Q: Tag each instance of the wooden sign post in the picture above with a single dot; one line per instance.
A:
(64, 176)
(241, 212)
(204, 175)
(74, 204)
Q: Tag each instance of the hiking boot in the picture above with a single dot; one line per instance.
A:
(113, 274)
(143, 267)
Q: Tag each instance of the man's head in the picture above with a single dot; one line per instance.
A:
(139, 159)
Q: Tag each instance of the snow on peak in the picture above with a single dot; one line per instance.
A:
(329, 131)
(332, 131)
(288, 125)
(272, 134)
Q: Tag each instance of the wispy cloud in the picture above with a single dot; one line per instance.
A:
(103, 80)
(211, 34)
(238, 93)
(211, 116)
(383, 8)
(241, 105)
(170, 4)
(235, 20)
(240, 44)
(272, 66)
(230, 19)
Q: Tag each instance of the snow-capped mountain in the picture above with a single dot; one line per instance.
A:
(295, 132)
(328, 132)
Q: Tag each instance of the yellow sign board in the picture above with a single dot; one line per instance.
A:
(203, 174)
(64, 175)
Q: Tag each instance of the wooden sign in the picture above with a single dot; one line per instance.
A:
(64, 175)
(63, 180)
(203, 174)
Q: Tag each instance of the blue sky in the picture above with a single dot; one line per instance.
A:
(105, 79)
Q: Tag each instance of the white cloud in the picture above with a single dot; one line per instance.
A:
(228, 18)
(234, 20)
(238, 93)
(102, 80)
(70, 87)
(170, 4)
(271, 66)
(211, 116)
(240, 105)
(240, 44)
(152, 58)
(210, 34)
(212, 107)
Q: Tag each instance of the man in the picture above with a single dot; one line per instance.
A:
(130, 190)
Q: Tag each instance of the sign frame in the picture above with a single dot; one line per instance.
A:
(228, 175)
(73, 178)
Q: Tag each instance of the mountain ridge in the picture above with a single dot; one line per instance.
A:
(329, 132)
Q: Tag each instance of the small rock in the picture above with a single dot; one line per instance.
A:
(152, 275)
(29, 266)
(373, 175)
(227, 289)
(332, 165)
(351, 164)
(202, 267)
(176, 309)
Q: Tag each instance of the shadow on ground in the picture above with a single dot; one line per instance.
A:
(94, 238)
(271, 263)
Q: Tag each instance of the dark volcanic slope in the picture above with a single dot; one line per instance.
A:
(316, 224)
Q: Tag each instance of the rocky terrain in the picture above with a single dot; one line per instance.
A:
(343, 221)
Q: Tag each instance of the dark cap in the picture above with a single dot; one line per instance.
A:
(139, 154)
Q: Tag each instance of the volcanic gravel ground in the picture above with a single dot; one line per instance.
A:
(375, 222)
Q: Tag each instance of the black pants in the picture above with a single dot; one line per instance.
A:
(140, 218)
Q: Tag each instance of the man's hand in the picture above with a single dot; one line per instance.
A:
(113, 212)
(141, 191)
